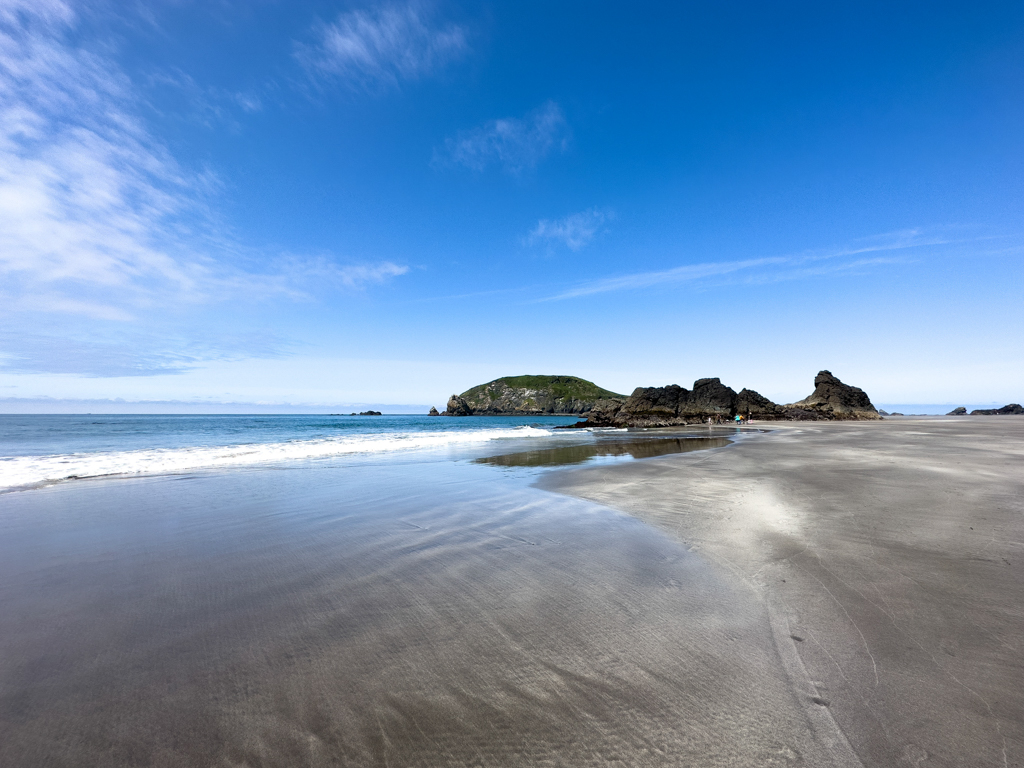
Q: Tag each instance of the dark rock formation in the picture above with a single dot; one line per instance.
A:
(534, 396)
(1013, 409)
(835, 400)
(674, 405)
(961, 411)
(370, 413)
(457, 406)
(710, 399)
(756, 406)
(433, 412)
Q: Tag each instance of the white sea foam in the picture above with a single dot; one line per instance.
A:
(23, 471)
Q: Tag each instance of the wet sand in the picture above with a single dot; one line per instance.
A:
(887, 563)
(375, 614)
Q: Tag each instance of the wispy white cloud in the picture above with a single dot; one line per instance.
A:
(85, 193)
(96, 216)
(574, 231)
(767, 269)
(382, 47)
(515, 144)
(46, 11)
(99, 222)
(207, 104)
(327, 270)
(132, 353)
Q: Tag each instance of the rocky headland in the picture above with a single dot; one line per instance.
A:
(710, 399)
(531, 396)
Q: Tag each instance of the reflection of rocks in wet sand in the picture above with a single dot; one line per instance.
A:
(642, 448)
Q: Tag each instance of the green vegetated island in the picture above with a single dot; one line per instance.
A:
(666, 406)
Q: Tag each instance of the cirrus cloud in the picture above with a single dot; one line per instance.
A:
(516, 144)
(366, 49)
(574, 231)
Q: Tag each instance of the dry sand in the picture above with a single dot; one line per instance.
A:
(888, 563)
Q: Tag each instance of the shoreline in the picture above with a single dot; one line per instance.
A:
(887, 556)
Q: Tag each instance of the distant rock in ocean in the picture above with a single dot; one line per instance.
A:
(834, 400)
(1013, 409)
(433, 412)
(673, 405)
(961, 411)
(367, 413)
(531, 396)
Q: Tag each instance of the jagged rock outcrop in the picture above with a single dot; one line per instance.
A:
(672, 406)
(534, 396)
(1013, 409)
(457, 406)
(961, 411)
(757, 406)
(834, 400)
(433, 412)
(710, 399)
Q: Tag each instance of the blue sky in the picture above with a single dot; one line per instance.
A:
(329, 203)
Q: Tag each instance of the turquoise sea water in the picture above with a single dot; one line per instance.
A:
(38, 449)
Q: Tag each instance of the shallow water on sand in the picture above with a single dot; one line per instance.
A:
(632, 445)
(400, 612)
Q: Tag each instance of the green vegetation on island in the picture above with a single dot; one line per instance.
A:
(530, 395)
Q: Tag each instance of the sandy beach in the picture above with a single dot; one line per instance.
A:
(820, 594)
(887, 561)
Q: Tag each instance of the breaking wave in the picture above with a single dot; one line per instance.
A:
(27, 471)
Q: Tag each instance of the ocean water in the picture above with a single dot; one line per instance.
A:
(37, 449)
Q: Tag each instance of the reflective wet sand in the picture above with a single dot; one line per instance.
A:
(637, 446)
(400, 614)
(889, 558)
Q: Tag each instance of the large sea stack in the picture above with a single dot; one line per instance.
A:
(531, 396)
(831, 399)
